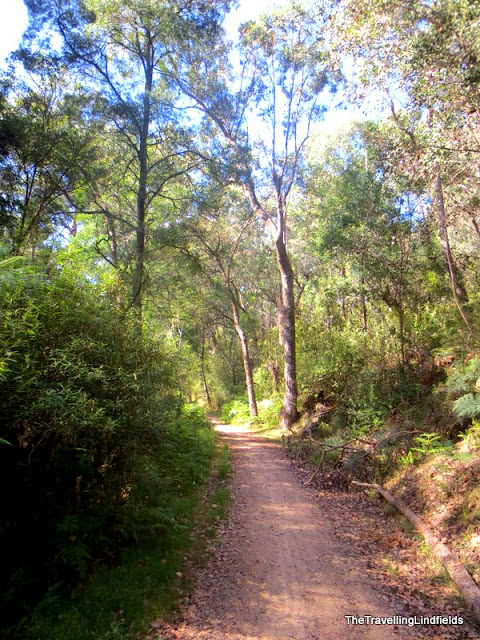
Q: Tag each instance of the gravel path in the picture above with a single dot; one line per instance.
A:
(278, 571)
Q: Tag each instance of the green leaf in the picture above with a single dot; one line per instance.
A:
(11, 263)
(468, 406)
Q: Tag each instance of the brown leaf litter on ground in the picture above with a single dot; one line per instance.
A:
(293, 562)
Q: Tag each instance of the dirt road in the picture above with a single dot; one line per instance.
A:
(279, 572)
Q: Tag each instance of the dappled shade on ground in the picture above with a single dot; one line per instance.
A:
(279, 571)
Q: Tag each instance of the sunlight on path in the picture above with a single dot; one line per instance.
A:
(280, 574)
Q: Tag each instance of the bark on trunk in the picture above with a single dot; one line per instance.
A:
(401, 330)
(342, 297)
(112, 239)
(457, 291)
(116, 289)
(364, 307)
(247, 365)
(202, 370)
(286, 311)
(139, 275)
(288, 413)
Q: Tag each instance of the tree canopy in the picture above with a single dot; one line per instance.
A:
(178, 224)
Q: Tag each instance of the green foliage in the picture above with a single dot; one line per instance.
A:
(269, 410)
(427, 443)
(141, 584)
(117, 600)
(96, 448)
(462, 386)
(467, 406)
(407, 459)
(237, 411)
(101, 454)
(471, 436)
(224, 465)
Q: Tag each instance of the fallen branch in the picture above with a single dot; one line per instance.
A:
(394, 435)
(325, 410)
(464, 582)
(345, 446)
(319, 466)
(371, 443)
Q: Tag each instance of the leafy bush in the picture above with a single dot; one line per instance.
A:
(269, 410)
(359, 373)
(118, 600)
(237, 411)
(101, 452)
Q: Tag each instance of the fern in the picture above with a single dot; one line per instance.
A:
(458, 382)
(75, 555)
(467, 406)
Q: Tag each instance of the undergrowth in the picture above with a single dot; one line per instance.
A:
(97, 451)
(237, 411)
(116, 602)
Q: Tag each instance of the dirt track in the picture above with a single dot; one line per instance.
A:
(279, 571)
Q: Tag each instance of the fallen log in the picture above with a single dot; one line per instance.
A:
(464, 582)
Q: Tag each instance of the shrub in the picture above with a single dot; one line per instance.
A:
(237, 411)
(95, 448)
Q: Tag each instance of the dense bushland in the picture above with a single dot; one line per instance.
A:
(171, 231)
(97, 451)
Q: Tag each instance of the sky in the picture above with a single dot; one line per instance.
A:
(12, 25)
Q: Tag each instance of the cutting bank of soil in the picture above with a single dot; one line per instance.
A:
(279, 570)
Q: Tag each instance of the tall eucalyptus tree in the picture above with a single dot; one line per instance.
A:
(426, 56)
(223, 237)
(121, 50)
(284, 69)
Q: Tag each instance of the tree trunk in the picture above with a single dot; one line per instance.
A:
(286, 308)
(139, 276)
(247, 365)
(364, 306)
(112, 239)
(476, 228)
(401, 330)
(288, 413)
(457, 291)
(342, 297)
(116, 288)
(202, 370)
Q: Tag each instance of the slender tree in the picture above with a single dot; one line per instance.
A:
(120, 50)
(221, 231)
(425, 56)
(285, 67)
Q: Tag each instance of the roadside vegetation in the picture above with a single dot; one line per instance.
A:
(174, 239)
(103, 462)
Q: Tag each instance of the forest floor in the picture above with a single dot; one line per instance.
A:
(292, 563)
